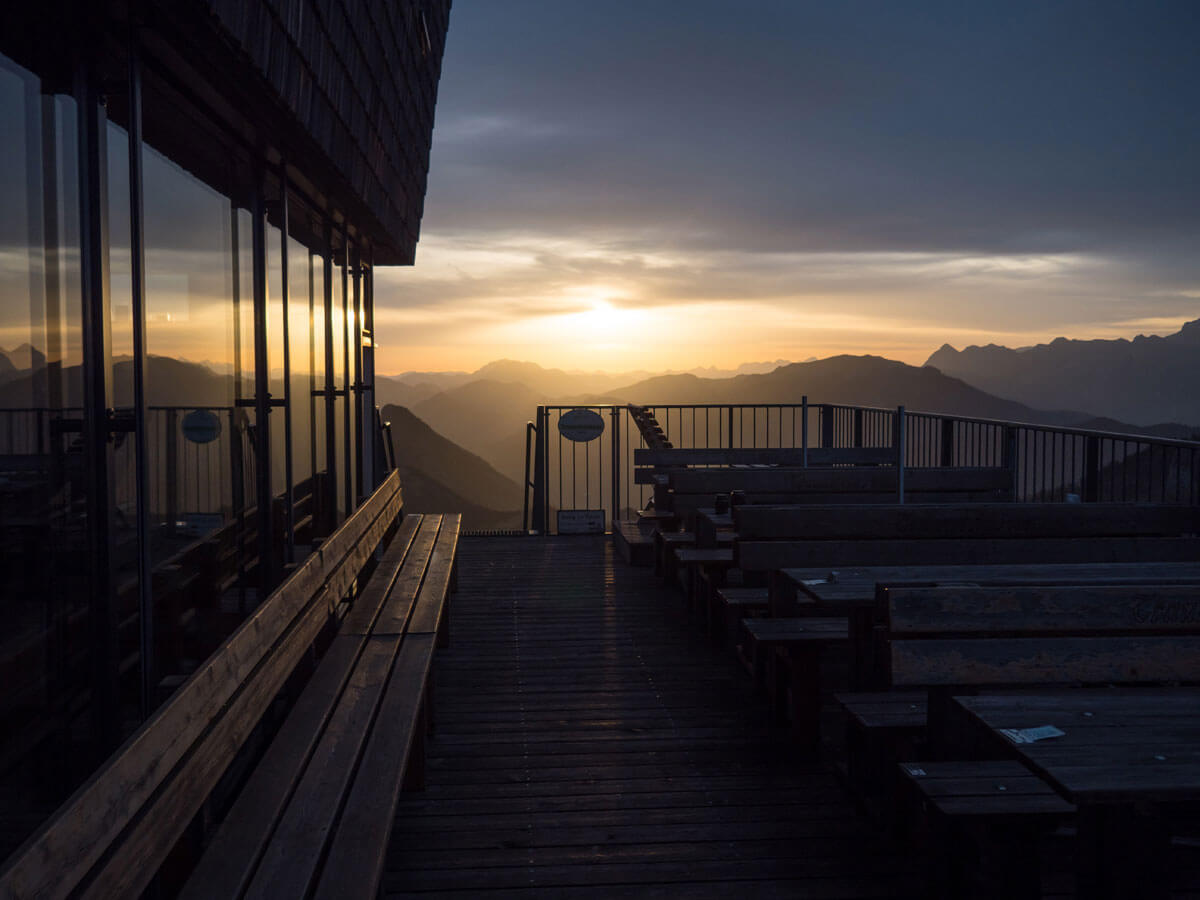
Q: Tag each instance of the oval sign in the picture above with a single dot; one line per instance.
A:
(201, 426)
(581, 425)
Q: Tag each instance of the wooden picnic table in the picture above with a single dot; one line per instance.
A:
(855, 586)
(1127, 758)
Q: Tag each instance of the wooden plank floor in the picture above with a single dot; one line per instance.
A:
(588, 744)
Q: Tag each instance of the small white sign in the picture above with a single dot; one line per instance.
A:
(581, 521)
(1031, 735)
(201, 426)
(581, 425)
(197, 524)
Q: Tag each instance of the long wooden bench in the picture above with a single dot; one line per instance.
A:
(315, 816)
(113, 835)
(948, 534)
(999, 803)
(684, 490)
(932, 641)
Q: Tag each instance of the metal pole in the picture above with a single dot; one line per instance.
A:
(262, 391)
(289, 541)
(804, 430)
(360, 416)
(96, 371)
(539, 476)
(329, 486)
(137, 267)
(615, 413)
(347, 437)
(901, 455)
(530, 431)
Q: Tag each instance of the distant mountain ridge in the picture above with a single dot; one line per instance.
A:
(440, 476)
(554, 383)
(1145, 380)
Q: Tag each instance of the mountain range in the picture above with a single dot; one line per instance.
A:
(1143, 380)
(459, 437)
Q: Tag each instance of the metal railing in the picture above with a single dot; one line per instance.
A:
(1048, 463)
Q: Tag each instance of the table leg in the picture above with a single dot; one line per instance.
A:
(1122, 855)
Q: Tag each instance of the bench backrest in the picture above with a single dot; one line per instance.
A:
(692, 488)
(981, 520)
(979, 534)
(109, 838)
(997, 635)
(762, 456)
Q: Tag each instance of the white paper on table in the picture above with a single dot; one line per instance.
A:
(1031, 735)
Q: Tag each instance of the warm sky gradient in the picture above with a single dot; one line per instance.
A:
(671, 184)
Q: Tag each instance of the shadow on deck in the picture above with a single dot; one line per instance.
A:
(589, 745)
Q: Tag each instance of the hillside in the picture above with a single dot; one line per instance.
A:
(854, 380)
(440, 476)
(1144, 380)
(481, 415)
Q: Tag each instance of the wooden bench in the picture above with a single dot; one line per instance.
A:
(315, 816)
(935, 641)
(786, 655)
(113, 835)
(979, 534)
(997, 803)
(686, 489)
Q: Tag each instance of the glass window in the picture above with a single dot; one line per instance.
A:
(45, 582)
(198, 455)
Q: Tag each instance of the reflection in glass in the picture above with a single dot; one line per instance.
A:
(300, 384)
(44, 508)
(197, 452)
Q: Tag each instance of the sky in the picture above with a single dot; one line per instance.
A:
(674, 184)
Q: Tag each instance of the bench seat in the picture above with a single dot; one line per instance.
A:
(315, 815)
(996, 804)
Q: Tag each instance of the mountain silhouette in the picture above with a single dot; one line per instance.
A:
(851, 380)
(440, 476)
(1143, 380)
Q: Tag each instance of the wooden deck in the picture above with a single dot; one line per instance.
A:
(589, 744)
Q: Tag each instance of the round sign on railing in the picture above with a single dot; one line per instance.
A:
(581, 425)
(201, 426)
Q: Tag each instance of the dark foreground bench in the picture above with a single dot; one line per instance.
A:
(947, 534)
(315, 816)
(963, 638)
(932, 641)
(114, 834)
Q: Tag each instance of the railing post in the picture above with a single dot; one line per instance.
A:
(1010, 459)
(826, 425)
(530, 431)
(615, 413)
(947, 458)
(172, 469)
(539, 474)
(1091, 470)
(901, 454)
(730, 445)
(858, 428)
(804, 431)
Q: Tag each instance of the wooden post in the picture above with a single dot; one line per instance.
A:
(947, 442)
(539, 473)
(804, 430)
(1091, 470)
(615, 413)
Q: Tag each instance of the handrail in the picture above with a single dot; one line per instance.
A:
(1047, 462)
(530, 431)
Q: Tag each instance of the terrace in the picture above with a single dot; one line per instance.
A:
(546, 715)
